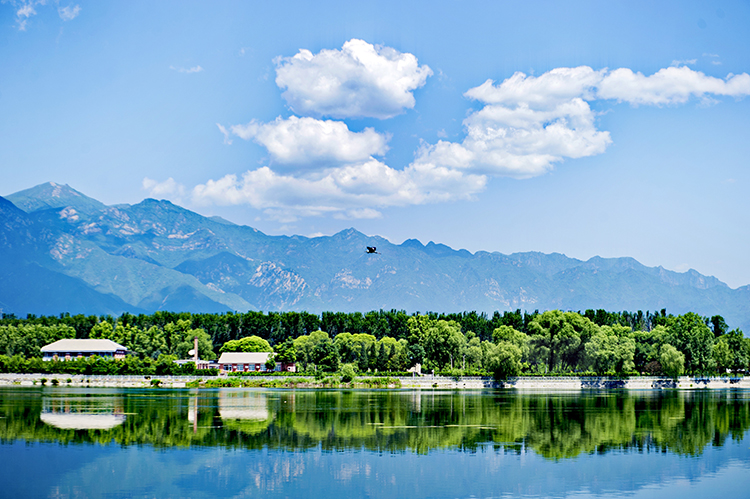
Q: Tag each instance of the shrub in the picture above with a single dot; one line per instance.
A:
(347, 373)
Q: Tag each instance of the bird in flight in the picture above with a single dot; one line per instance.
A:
(371, 249)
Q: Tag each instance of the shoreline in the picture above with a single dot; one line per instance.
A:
(530, 383)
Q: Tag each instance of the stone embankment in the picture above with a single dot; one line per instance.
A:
(554, 383)
(422, 382)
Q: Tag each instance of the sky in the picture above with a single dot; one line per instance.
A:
(583, 128)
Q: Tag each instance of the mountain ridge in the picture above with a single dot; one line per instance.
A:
(155, 254)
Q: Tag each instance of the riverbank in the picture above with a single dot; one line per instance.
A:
(421, 382)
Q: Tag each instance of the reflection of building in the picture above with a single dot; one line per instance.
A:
(69, 413)
(250, 361)
(243, 405)
(72, 349)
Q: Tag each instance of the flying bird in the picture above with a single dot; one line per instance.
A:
(371, 249)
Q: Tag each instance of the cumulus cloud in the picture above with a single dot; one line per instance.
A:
(522, 128)
(351, 191)
(309, 142)
(673, 85)
(547, 90)
(194, 69)
(69, 13)
(530, 123)
(360, 80)
(168, 189)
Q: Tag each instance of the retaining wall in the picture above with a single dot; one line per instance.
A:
(422, 382)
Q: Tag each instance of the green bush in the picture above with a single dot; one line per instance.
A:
(347, 373)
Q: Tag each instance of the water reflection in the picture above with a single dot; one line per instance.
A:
(244, 411)
(554, 426)
(82, 413)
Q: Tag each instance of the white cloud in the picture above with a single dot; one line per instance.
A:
(309, 142)
(683, 62)
(360, 80)
(68, 13)
(169, 189)
(351, 191)
(25, 10)
(194, 69)
(526, 125)
(226, 133)
(673, 85)
(529, 123)
(550, 89)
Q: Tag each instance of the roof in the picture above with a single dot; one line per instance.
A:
(72, 345)
(244, 357)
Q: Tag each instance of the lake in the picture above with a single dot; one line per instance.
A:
(79, 442)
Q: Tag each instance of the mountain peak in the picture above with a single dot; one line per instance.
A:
(51, 195)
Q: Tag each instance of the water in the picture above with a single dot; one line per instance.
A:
(66, 442)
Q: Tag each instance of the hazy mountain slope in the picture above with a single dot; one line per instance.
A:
(158, 256)
(30, 281)
(52, 195)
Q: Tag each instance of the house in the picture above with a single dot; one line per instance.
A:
(199, 364)
(249, 361)
(68, 349)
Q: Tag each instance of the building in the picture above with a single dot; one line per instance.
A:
(199, 364)
(249, 361)
(71, 349)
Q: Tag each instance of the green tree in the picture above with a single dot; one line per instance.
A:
(247, 344)
(180, 340)
(271, 362)
(149, 343)
(306, 345)
(557, 338)
(504, 360)
(608, 351)
(672, 361)
(286, 352)
(691, 336)
(722, 355)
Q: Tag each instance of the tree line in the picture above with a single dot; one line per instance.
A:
(507, 344)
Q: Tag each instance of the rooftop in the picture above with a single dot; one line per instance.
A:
(88, 345)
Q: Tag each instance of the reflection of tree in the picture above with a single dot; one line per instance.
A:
(556, 426)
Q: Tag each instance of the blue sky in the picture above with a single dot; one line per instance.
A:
(606, 128)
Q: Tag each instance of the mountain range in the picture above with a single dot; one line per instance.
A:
(61, 251)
